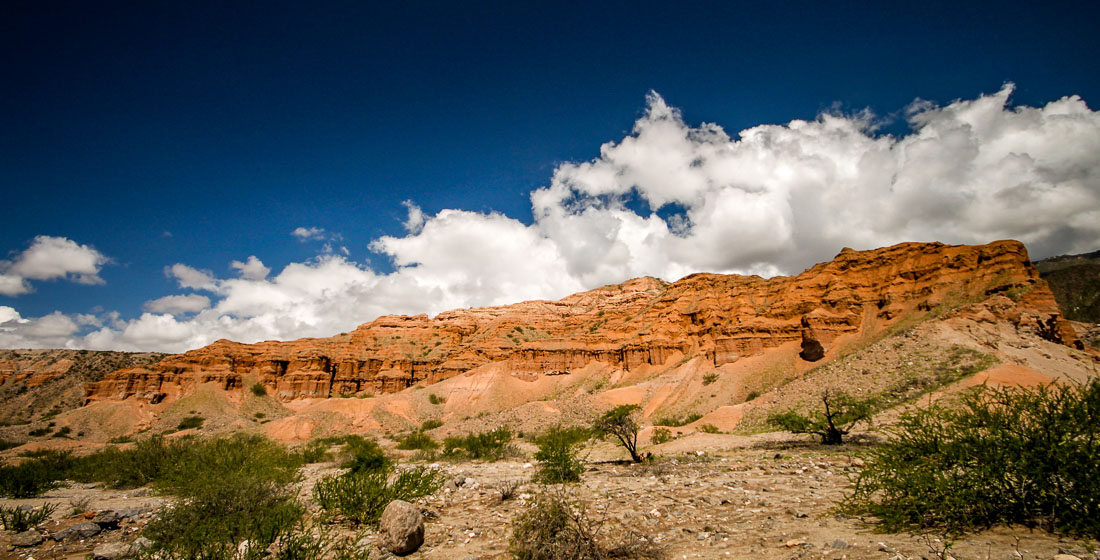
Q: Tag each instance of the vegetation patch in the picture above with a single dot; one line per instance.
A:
(676, 421)
(660, 435)
(191, 422)
(222, 519)
(418, 441)
(360, 497)
(494, 445)
(17, 519)
(838, 415)
(558, 455)
(176, 467)
(997, 456)
(556, 526)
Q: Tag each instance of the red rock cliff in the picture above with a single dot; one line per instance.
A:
(641, 321)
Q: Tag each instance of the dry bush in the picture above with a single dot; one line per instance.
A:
(557, 526)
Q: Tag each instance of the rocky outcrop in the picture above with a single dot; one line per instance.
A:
(33, 368)
(639, 323)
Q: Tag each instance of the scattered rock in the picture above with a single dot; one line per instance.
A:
(27, 538)
(110, 551)
(401, 528)
(130, 513)
(140, 544)
(1064, 557)
(839, 545)
(84, 530)
(107, 519)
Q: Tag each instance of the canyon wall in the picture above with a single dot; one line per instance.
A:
(644, 321)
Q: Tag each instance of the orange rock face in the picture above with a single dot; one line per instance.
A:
(32, 370)
(641, 321)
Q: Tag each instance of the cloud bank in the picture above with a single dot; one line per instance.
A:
(667, 200)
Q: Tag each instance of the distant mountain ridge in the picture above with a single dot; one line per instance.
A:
(1075, 282)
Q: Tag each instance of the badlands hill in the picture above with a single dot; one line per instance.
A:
(896, 321)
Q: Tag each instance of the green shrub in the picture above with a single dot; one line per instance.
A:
(436, 399)
(556, 526)
(176, 466)
(5, 444)
(39, 432)
(364, 455)
(191, 422)
(676, 422)
(710, 378)
(430, 425)
(840, 413)
(417, 441)
(258, 389)
(997, 456)
(17, 519)
(660, 435)
(37, 475)
(558, 455)
(315, 451)
(709, 429)
(361, 496)
(145, 462)
(621, 423)
(318, 543)
(216, 517)
(752, 396)
(486, 446)
(246, 457)
(63, 432)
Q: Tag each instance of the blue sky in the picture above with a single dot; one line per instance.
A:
(137, 138)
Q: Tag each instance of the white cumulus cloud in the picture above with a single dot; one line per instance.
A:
(252, 269)
(188, 303)
(50, 258)
(772, 199)
(308, 233)
(190, 277)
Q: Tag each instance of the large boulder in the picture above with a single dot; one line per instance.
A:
(401, 528)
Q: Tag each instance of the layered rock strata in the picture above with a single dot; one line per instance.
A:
(641, 322)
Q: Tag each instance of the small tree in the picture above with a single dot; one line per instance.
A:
(621, 423)
(841, 413)
(557, 455)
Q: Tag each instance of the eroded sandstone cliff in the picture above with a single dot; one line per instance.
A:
(644, 321)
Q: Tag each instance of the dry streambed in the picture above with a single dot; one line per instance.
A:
(758, 502)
